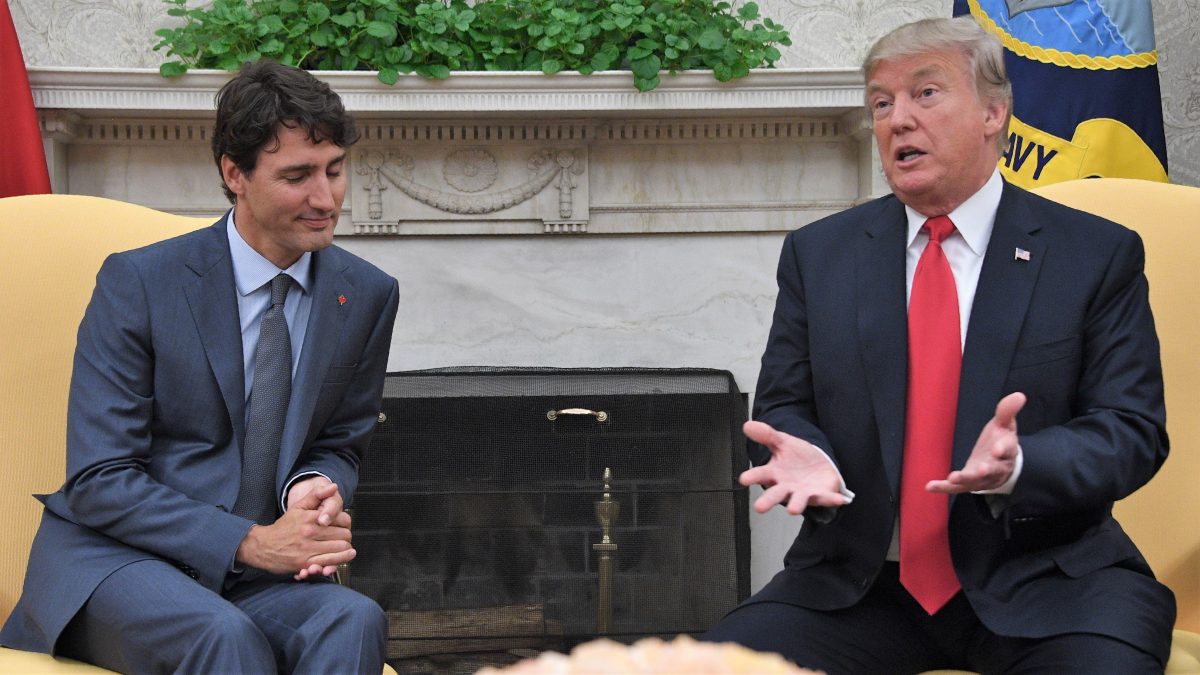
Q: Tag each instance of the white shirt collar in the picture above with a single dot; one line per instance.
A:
(973, 218)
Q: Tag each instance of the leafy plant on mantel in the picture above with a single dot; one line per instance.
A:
(434, 37)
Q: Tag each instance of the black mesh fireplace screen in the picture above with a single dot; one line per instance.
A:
(480, 514)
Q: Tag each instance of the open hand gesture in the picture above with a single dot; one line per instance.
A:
(994, 457)
(798, 472)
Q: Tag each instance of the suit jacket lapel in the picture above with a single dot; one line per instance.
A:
(325, 322)
(883, 328)
(212, 298)
(1002, 297)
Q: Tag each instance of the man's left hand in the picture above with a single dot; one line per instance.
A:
(330, 513)
(994, 457)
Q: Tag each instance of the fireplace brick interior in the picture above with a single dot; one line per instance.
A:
(476, 515)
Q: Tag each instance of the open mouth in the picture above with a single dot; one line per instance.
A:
(908, 154)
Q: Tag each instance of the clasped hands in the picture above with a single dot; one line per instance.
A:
(800, 475)
(311, 538)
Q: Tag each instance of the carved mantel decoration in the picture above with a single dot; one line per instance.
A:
(464, 192)
(501, 153)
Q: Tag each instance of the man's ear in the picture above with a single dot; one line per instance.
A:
(234, 177)
(995, 115)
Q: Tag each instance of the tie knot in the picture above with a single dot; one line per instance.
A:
(279, 288)
(939, 227)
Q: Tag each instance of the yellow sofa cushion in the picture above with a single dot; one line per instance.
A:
(33, 663)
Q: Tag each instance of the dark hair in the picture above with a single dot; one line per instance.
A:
(265, 95)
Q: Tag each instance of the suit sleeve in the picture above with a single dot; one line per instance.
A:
(784, 396)
(1115, 438)
(341, 440)
(110, 438)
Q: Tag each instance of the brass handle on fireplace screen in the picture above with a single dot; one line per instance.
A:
(600, 415)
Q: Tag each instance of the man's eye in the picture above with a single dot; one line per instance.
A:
(928, 91)
(293, 179)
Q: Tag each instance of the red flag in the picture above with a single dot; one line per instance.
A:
(22, 160)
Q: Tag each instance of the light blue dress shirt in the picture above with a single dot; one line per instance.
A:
(252, 275)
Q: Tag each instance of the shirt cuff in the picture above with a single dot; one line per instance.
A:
(842, 490)
(298, 477)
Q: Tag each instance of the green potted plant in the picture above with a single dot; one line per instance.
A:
(435, 37)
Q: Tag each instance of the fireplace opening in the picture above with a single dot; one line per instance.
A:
(505, 511)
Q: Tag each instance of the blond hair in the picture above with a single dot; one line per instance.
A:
(984, 54)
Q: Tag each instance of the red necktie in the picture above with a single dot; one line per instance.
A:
(934, 362)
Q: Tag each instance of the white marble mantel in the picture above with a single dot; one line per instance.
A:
(545, 154)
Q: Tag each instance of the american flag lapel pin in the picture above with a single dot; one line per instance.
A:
(1021, 254)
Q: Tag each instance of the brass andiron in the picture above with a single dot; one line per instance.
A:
(607, 510)
(341, 576)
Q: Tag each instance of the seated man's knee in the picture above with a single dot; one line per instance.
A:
(231, 641)
(233, 628)
(360, 611)
(371, 615)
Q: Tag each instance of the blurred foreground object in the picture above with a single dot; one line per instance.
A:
(653, 656)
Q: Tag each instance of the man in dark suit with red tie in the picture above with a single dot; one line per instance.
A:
(960, 380)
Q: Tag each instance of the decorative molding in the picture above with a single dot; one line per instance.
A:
(720, 129)
(70, 126)
(59, 125)
(704, 207)
(468, 173)
(470, 170)
(610, 93)
(476, 131)
(142, 131)
(646, 130)
(545, 167)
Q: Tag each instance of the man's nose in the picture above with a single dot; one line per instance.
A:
(901, 116)
(321, 195)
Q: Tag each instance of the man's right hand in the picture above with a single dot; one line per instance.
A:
(798, 472)
(296, 541)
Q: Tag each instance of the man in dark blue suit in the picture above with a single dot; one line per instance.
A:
(156, 555)
(957, 501)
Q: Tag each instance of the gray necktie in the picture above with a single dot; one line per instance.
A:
(269, 396)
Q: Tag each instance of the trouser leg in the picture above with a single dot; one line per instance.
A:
(148, 617)
(316, 626)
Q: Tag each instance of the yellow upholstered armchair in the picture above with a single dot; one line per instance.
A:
(1162, 516)
(51, 247)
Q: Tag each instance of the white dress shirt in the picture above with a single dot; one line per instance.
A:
(964, 248)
